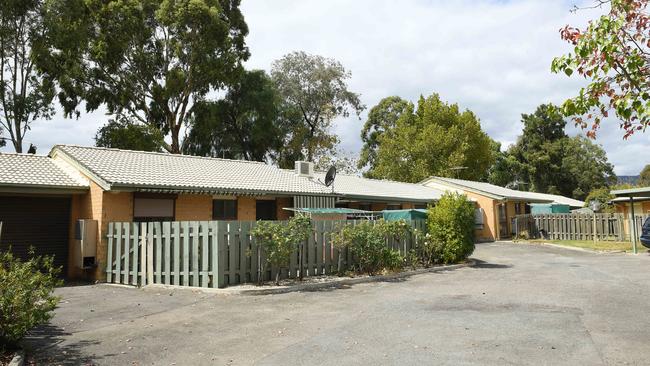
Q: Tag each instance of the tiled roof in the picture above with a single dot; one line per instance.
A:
(353, 186)
(161, 171)
(36, 171)
(504, 193)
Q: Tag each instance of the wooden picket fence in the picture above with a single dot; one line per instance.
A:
(218, 253)
(602, 226)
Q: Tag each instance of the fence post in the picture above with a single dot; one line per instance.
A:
(143, 254)
(149, 253)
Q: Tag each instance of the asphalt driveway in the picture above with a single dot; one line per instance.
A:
(522, 304)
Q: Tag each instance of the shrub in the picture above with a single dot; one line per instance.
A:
(368, 244)
(451, 229)
(279, 240)
(26, 295)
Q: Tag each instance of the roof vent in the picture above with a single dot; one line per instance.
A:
(305, 168)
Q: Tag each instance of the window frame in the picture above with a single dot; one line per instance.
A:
(225, 216)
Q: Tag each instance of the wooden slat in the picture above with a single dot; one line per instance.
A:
(244, 260)
(186, 252)
(127, 252)
(222, 248)
(136, 257)
(176, 233)
(109, 254)
(166, 226)
(158, 246)
(194, 236)
(143, 254)
(150, 254)
(319, 248)
(205, 257)
(233, 252)
(118, 252)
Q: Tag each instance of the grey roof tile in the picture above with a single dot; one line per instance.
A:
(358, 187)
(125, 168)
(36, 171)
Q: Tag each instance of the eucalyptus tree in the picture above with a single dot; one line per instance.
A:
(146, 60)
(25, 95)
(315, 92)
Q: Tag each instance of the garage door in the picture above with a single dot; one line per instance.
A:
(41, 222)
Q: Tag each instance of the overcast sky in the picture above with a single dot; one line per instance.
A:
(492, 57)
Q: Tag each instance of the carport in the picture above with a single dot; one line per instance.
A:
(35, 206)
(633, 195)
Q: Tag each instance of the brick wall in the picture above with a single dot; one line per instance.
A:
(193, 207)
(246, 209)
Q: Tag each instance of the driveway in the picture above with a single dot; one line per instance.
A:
(522, 304)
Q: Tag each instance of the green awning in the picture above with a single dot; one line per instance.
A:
(413, 214)
(329, 211)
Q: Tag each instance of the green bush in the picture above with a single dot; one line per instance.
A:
(279, 240)
(367, 242)
(26, 295)
(451, 229)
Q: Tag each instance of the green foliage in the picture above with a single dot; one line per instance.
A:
(279, 240)
(381, 118)
(367, 242)
(314, 92)
(26, 295)
(25, 95)
(451, 229)
(603, 196)
(644, 177)
(149, 60)
(245, 124)
(123, 134)
(433, 140)
(612, 53)
(546, 160)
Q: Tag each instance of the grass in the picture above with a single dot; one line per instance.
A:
(589, 244)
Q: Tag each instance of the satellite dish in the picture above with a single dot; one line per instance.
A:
(330, 176)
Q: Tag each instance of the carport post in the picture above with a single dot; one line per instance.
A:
(633, 227)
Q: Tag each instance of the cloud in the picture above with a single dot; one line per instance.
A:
(492, 57)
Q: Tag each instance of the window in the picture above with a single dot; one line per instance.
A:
(420, 206)
(265, 210)
(152, 208)
(224, 209)
(393, 206)
(517, 208)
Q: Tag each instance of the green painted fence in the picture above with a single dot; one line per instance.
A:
(601, 226)
(218, 253)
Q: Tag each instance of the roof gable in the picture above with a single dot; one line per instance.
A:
(38, 172)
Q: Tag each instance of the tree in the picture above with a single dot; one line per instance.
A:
(603, 196)
(245, 124)
(586, 165)
(314, 92)
(546, 160)
(539, 149)
(145, 60)
(613, 53)
(343, 161)
(381, 118)
(644, 177)
(25, 95)
(124, 134)
(506, 170)
(435, 139)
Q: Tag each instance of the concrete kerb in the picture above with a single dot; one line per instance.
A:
(338, 283)
(578, 249)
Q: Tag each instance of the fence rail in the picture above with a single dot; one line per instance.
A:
(603, 227)
(218, 253)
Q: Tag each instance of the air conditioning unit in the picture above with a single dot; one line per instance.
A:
(85, 235)
(305, 168)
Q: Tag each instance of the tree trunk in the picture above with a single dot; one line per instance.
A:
(18, 144)
(277, 278)
(175, 146)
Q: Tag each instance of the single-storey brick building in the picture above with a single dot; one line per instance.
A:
(497, 205)
(100, 185)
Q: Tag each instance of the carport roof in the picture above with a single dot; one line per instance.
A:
(632, 192)
(25, 172)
